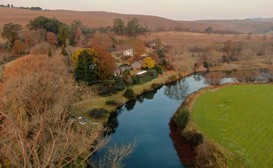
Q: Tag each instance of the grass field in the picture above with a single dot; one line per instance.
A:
(240, 119)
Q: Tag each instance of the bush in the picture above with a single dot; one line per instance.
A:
(195, 139)
(111, 102)
(158, 69)
(173, 78)
(98, 113)
(182, 118)
(155, 85)
(130, 94)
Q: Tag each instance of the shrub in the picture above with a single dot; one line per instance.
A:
(173, 78)
(111, 102)
(98, 113)
(129, 93)
(182, 118)
(158, 69)
(195, 139)
(155, 85)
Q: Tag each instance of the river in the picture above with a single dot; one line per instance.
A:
(146, 122)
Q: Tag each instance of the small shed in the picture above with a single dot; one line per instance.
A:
(128, 53)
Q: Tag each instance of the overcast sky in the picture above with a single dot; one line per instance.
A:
(173, 9)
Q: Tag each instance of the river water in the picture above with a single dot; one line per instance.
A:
(145, 121)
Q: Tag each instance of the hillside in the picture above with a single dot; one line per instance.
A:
(98, 19)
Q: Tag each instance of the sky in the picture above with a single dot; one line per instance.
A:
(172, 9)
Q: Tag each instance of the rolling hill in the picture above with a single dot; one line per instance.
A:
(103, 19)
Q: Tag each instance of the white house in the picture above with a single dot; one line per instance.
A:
(128, 53)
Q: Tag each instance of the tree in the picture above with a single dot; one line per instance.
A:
(100, 40)
(132, 27)
(77, 35)
(139, 49)
(148, 62)
(40, 49)
(93, 65)
(36, 106)
(119, 26)
(63, 34)
(209, 30)
(51, 38)
(85, 63)
(48, 24)
(19, 47)
(10, 32)
(106, 64)
(35, 37)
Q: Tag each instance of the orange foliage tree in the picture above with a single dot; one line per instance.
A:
(100, 40)
(19, 47)
(139, 49)
(51, 38)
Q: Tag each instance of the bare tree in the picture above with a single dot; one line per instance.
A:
(114, 156)
(36, 107)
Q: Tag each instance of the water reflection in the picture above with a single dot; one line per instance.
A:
(112, 123)
(178, 90)
(130, 105)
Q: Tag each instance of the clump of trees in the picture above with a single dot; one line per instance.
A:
(11, 33)
(93, 65)
(131, 28)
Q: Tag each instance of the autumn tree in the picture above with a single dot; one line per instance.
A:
(100, 40)
(19, 47)
(40, 49)
(93, 65)
(148, 62)
(51, 38)
(77, 35)
(139, 49)
(36, 106)
(119, 26)
(106, 64)
(10, 32)
(35, 37)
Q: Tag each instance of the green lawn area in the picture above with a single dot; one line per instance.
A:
(240, 119)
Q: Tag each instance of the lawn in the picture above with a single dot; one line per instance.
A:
(240, 119)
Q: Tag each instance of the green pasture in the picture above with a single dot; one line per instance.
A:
(240, 119)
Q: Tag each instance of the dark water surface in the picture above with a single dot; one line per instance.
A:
(146, 122)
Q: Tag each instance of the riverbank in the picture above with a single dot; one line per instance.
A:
(220, 147)
(97, 102)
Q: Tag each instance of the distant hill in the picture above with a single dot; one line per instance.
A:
(103, 19)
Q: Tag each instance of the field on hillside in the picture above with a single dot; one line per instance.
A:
(184, 42)
(100, 18)
(239, 118)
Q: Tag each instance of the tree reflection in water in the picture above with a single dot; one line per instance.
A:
(113, 122)
(177, 90)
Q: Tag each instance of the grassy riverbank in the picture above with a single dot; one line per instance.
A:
(236, 123)
(239, 118)
(100, 101)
